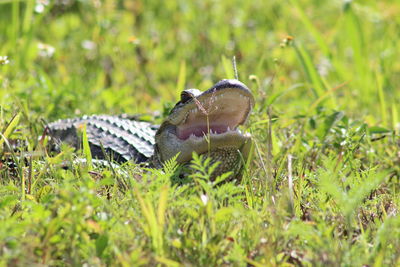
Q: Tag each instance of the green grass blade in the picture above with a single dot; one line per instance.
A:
(395, 117)
(310, 28)
(381, 97)
(162, 206)
(310, 70)
(180, 85)
(227, 65)
(10, 128)
(86, 148)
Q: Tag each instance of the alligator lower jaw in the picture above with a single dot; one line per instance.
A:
(210, 142)
(200, 145)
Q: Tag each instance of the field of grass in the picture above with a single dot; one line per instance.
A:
(322, 187)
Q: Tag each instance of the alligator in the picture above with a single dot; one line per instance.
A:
(202, 122)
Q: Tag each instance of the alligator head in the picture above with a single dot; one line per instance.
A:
(207, 123)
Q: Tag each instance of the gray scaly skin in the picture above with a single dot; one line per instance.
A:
(124, 139)
(202, 122)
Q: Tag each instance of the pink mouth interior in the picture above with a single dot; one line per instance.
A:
(196, 123)
(184, 132)
(224, 113)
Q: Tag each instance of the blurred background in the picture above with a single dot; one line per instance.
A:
(64, 58)
(321, 188)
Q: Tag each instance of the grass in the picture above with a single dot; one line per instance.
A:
(321, 187)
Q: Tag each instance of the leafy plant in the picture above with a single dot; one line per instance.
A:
(320, 188)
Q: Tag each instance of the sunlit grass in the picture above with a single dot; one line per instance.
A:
(320, 188)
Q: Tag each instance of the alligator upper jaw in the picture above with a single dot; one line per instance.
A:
(210, 121)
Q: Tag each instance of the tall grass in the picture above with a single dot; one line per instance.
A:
(321, 186)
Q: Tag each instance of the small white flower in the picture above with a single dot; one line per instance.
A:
(324, 67)
(88, 45)
(40, 5)
(4, 60)
(46, 50)
(103, 216)
(204, 199)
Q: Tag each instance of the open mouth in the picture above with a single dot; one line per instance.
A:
(216, 115)
(206, 121)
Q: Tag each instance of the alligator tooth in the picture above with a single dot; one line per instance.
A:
(229, 129)
(184, 119)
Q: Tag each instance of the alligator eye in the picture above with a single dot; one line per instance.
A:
(189, 94)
